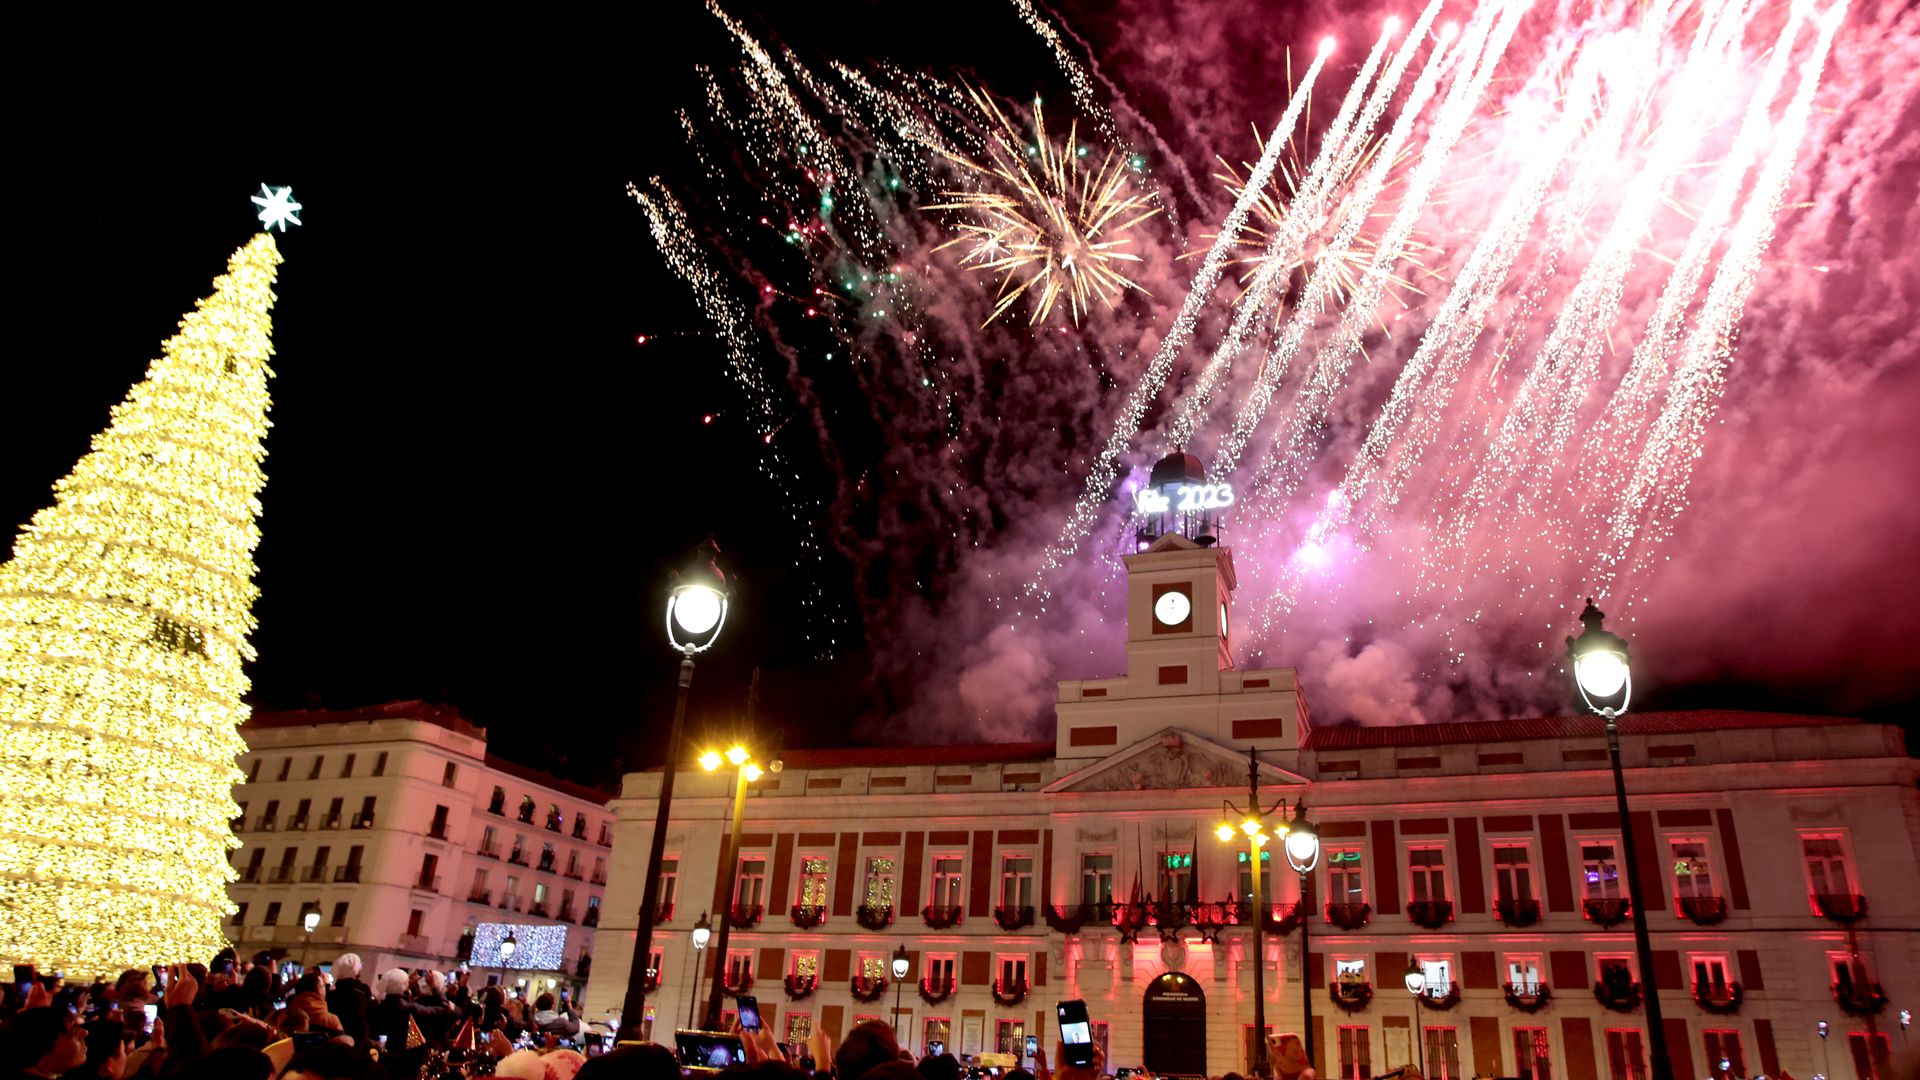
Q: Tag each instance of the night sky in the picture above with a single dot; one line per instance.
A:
(477, 480)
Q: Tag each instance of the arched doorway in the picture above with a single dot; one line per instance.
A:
(1174, 1026)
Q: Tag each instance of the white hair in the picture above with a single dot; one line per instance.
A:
(393, 982)
(347, 966)
(521, 1065)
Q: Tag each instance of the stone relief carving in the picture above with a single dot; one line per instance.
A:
(1168, 766)
(1097, 835)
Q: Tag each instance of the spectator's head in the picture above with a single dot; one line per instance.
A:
(1232, 1076)
(231, 1063)
(393, 982)
(436, 983)
(869, 1045)
(46, 1040)
(259, 981)
(326, 1061)
(521, 1065)
(245, 1034)
(893, 1070)
(564, 1064)
(544, 1002)
(940, 1067)
(649, 1062)
(107, 1044)
(347, 966)
(1017, 1074)
(131, 987)
(309, 983)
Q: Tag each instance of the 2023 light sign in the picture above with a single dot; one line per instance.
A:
(1184, 498)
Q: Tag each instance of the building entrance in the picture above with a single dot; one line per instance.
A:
(1174, 1026)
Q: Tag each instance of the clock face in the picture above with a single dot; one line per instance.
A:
(1172, 608)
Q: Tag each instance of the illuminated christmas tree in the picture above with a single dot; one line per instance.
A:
(124, 615)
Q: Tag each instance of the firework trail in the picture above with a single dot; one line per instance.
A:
(1106, 466)
(1657, 492)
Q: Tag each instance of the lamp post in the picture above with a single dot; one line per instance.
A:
(702, 930)
(311, 921)
(900, 964)
(1302, 856)
(745, 772)
(1604, 676)
(507, 945)
(696, 613)
(1417, 986)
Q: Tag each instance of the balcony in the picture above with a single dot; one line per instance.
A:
(1017, 917)
(497, 807)
(427, 883)
(941, 916)
(1703, 910)
(584, 967)
(579, 828)
(599, 878)
(1859, 997)
(314, 873)
(566, 914)
(800, 986)
(1349, 916)
(517, 857)
(526, 812)
(298, 824)
(480, 896)
(363, 821)
(1010, 994)
(414, 943)
(1517, 913)
(591, 918)
(936, 989)
(606, 837)
(330, 823)
(1430, 914)
(745, 916)
(437, 830)
(249, 874)
(808, 916)
(663, 913)
(554, 822)
(348, 873)
(1529, 997)
(1721, 999)
(874, 916)
(1351, 995)
(546, 865)
(538, 909)
(280, 875)
(263, 824)
(572, 872)
(1840, 907)
(1617, 992)
(1606, 910)
(510, 902)
(488, 851)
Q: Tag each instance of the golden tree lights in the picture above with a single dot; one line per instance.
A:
(124, 615)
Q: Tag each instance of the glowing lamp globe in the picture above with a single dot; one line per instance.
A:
(1225, 833)
(1601, 674)
(311, 920)
(1416, 978)
(1303, 848)
(697, 602)
(900, 962)
(702, 931)
(710, 760)
(507, 945)
(1601, 668)
(696, 609)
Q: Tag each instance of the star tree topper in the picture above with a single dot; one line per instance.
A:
(277, 207)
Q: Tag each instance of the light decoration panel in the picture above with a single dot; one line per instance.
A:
(536, 947)
(124, 617)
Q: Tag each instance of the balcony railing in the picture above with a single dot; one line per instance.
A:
(488, 851)
(427, 883)
(1351, 995)
(565, 914)
(280, 875)
(745, 916)
(579, 828)
(510, 902)
(1618, 994)
(1528, 997)
(1703, 910)
(874, 916)
(1859, 998)
(363, 821)
(1017, 917)
(663, 913)
(314, 873)
(437, 830)
(330, 823)
(808, 916)
(1840, 907)
(517, 858)
(498, 807)
(264, 824)
(526, 813)
(249, 874)
(941, 917)
(599, 878)
(591, 918)
(480, 896)
(538, 909)
(934, 990)
(1517, 913)
(1010, 994)
(1349, 916)
(546, 865)
(1430, 914)
(1606, 910)
(572, 872)
(1722, 999)
(298, 824)
(414, 943)
(347, 873)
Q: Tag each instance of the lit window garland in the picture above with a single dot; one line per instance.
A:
(124, 615)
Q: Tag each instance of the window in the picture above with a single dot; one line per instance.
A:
(947, 881)
(438, 830)
(1826, 865)
(272, 814)
(429, 871)
(253, 771)
(806, 964)
(1692, 874)
(1710, 978)
(1600, 871)
(669, 883)
(513, 886)
(1246, 874)
(1176, 874)
(1626, 1060)
(1439, 974)
(319, 762)
(286, 766)
(301, 811)
(751, 889)
(273, 915)
(1016, 881)
(253, 865)
(739, 966)
(346, 770)
(1356, 1061)
(1872, 1055)
(656, 963)
(1349, 969)
(1512, 872)
(240, 914)
(1343, 877)
(799, 1026)
(380, 764)
(1010, 1037)
(873, 967)
(1523, 972)
(935, 1033)
(334, 807)
(1531, 1059)
(940, 971)
(880, 882)
(365, 820)
(1724, 1059)
(1443, 1053)
(813, 881)
(1013, 972)
(415, 919)
(450, 776)
(321, 855)
(1615, 970)
(539, 893)
(498, 801)
(1096, 878)
(1429, 866)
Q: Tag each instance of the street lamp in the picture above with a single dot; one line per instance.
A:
(311, 921)
(1302, 855)
(746, 771)
(900, 964)
(1604, 676)
(1417, 986)
(702, 930)
(696, 612)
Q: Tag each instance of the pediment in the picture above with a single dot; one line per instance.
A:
(1171, 760)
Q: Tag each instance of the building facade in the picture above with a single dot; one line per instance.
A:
(1780, 856)
(417, 847)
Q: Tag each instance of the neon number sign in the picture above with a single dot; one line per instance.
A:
(1184, 498)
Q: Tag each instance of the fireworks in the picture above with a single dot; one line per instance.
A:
(1043, 221)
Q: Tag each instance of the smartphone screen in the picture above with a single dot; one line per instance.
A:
(153, 1011)
(1033, 1045)
(1076, 1032)
(748, 1007)
(382, 1039)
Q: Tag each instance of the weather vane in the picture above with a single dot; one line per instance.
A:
(277, 207)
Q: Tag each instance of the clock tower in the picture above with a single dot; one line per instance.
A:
(1179, 615)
